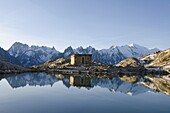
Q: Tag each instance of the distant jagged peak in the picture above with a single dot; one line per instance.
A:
(17, 48)
(34, 47)
(113, 46)
(139, 46)
(69, 47)
(133, 45)
(53, 48)
(42, 47)
(33, 53)
(24, 47)
(19, 44)
(37, 46)
(80, 48)
(125, 46)
(90, 48)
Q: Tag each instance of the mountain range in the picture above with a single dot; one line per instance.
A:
(35, 55)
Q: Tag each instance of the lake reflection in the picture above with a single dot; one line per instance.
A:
(41, 93)
(42, 79)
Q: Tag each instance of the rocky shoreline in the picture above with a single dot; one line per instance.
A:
(129, 66)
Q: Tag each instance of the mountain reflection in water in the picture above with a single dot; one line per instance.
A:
(114, 84)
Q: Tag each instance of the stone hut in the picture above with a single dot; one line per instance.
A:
(80, 81)
(81, 59)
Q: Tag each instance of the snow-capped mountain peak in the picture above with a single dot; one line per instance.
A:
(33, 55)
(133, 45)
(113, 47)
(68, 51)
(18, 48)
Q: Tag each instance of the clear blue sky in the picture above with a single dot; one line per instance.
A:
(99, 23)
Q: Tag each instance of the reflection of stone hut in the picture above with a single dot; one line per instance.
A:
(80, 81)
(81, 59)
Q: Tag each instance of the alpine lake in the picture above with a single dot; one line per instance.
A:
(57, 93)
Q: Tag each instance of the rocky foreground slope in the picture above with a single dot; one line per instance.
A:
(130, 62)
(53, 64)
(159, 59)
(7, 68)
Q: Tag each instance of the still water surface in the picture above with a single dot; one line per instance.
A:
(43, 93)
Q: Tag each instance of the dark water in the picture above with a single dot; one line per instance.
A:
(42, 93)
